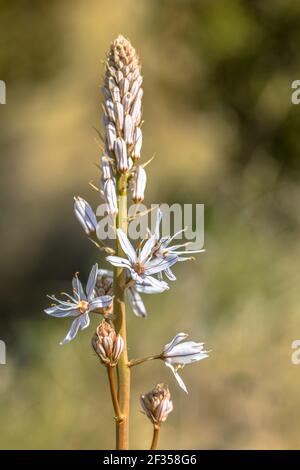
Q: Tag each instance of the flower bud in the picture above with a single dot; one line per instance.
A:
(106, 170)
(107, 344)
(111, 135)
(85, 215)
(138, 193)
(109, 107)
(110, 197)
(137, 144)
(126, 102)
(119, 114)
(115, 93)
(136, 111)
(121, 154)
(157, 404)
(136, 86)
(128, 129)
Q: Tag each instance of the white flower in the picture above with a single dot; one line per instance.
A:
(176, 355)
(79, 305)
(162, 247)
(104, 285)
(140, 264)
(85, 215)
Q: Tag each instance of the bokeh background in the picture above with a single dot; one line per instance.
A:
(218, 116)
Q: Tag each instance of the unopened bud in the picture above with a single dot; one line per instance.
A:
(138, 193)
(111, 135)
(107, 344)
(110, 197)
(85, 215)
(121, 154)
(119, 114)
(137, 144)
(136, 111)
(106, 170)
(128, 129)
(157, 404)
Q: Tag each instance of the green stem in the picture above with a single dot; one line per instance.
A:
(136, 362)
(122, 427)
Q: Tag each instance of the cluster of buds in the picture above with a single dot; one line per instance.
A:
(157, 404)
(122, 121)
(107, 344)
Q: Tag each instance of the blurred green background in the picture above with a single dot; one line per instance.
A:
(218, 115)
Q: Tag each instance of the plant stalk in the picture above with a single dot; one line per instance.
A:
(155, 437)
(114, 394)
(123, 370)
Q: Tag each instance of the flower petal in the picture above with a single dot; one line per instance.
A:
(100, 302)
(147, 249)
(177, 377)
(176, 340)
(170, 275)
(56, 311)
(157, 224)
(90, 285)
(151, 286)
(72, 331)
(118, 261)
(136, 302)
(126, 246)
(160, 264)
(78, 289)
(84, 321)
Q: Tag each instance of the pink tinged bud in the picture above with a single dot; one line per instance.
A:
(107, 344)
(109, 107)
(140, 185)
(126, 70)
(126, 102)
(116, 94)
(111, 135)
(136, 73)
(119, 114)
(121, 154)
(157, 404)
(106, 170)
(136, 111)
(130, 77)
(140, 93)
(119, 76)
(128, 129)
(124, 85)
(137, 144)
(136, 86)
(110, 197)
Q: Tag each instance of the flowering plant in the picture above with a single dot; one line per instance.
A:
(138, 270)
